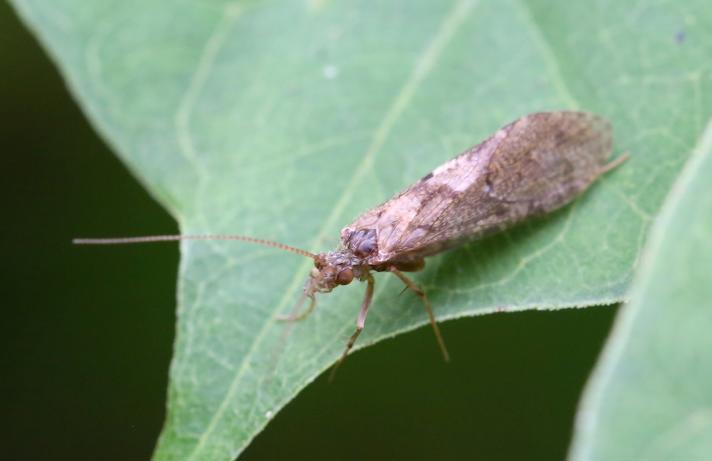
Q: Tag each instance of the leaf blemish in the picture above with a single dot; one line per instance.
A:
(330, 71)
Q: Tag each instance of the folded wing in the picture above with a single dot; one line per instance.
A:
(534, 165)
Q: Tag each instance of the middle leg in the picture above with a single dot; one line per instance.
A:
(359, 324)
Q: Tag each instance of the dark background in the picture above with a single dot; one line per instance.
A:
(87, 334)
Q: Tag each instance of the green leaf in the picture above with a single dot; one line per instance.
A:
(286, 119)
(650, 395)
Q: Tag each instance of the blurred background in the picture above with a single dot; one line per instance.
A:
(87, 333)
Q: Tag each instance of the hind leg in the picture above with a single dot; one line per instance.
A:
(426, 303)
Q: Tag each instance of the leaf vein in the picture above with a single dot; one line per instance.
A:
(197, 83)
(452, 22)
(549, 56)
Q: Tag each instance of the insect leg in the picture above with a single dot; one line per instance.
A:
(612, 164)
(419, 291)
(295, 315)
(359, 324)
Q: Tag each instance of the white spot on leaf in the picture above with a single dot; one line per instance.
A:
(330, 71)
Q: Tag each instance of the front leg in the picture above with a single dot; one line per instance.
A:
(295, 315)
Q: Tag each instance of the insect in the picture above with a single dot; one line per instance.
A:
(532, 166)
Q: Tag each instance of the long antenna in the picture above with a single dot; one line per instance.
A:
(173, 238)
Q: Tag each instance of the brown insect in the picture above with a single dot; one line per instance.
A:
(532, 166)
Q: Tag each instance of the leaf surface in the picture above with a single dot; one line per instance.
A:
(650, 396)
(286, 119)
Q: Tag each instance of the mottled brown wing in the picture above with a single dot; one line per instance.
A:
(531, 166)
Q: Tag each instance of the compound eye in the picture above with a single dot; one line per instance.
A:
(345, 277)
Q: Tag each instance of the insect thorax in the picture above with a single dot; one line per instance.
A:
(361, 242)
